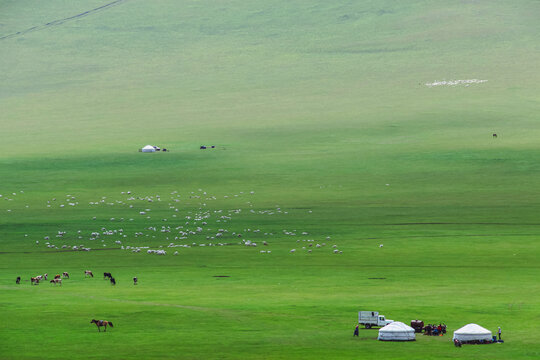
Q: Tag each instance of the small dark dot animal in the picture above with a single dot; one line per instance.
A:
(88, 273)
(113, 281)
(135, 281)
(65, 275)
(494, 135)
(18, 281)
(107, 275)
(202, 147)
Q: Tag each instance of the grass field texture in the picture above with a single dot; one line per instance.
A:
(323, 124)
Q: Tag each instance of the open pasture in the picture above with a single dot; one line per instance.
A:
(352, 125)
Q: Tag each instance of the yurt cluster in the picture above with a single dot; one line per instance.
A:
(468, 334)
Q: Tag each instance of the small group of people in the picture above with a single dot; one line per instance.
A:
(435, 330)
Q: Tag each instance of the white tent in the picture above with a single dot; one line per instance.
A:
(396, 331)
(472, 332)
(148, 148)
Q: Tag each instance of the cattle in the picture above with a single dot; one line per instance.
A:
(18, 281)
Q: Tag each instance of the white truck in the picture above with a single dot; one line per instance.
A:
(372, 318)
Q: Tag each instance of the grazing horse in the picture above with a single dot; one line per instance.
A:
(88, 273)
(18, 281)
(56, 281)
(45, 276)
(34, 281)
(57, 276)
(107, 275)
(113, 281)
(65, 274)
(494, 135)
(135, 281)
(100, 323)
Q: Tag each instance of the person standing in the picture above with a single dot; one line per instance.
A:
(356, 331)
(500, 332)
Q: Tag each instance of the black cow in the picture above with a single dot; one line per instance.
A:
(18, 281)
(113, 281)
(106, 275)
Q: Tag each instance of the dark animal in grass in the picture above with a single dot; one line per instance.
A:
(113, 281)
(34, 281)
(100, 323)
(57, 276)
(88, 273)
(203, 147)
(106, 275)
(65, 274)
(56, 281)
(135, 281)
(18, 281)
(494, 135)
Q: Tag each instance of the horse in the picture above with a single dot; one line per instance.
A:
(113, 281)
(34, 281)
(100, 323)
(56, 281)
(88, 273)
(57, 276)
(135, 281)
(494, 136)
(65, 274)
(18, 281)
(45, 276)
(107, 275)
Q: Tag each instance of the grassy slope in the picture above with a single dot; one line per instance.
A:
(318, 106)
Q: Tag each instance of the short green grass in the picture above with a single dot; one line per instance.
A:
(320, 110)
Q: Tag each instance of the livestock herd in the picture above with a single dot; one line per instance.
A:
(177, 232)
(57, 280)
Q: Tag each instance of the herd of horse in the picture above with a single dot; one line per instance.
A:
(57, 280)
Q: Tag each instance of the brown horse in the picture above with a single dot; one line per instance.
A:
(56, 281)
(88, 273)
(100, 323)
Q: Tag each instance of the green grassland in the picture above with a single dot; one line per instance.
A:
(322, 124)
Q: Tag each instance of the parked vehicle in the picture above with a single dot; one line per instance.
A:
(372, 318)
(417, 325)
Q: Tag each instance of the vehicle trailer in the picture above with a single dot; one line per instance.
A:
(372, 318)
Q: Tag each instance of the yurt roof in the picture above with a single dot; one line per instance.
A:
(396, 326)
(472, 329)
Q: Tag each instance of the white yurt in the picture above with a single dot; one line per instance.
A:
(472, 332)
(397, 331)
(148, 148)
